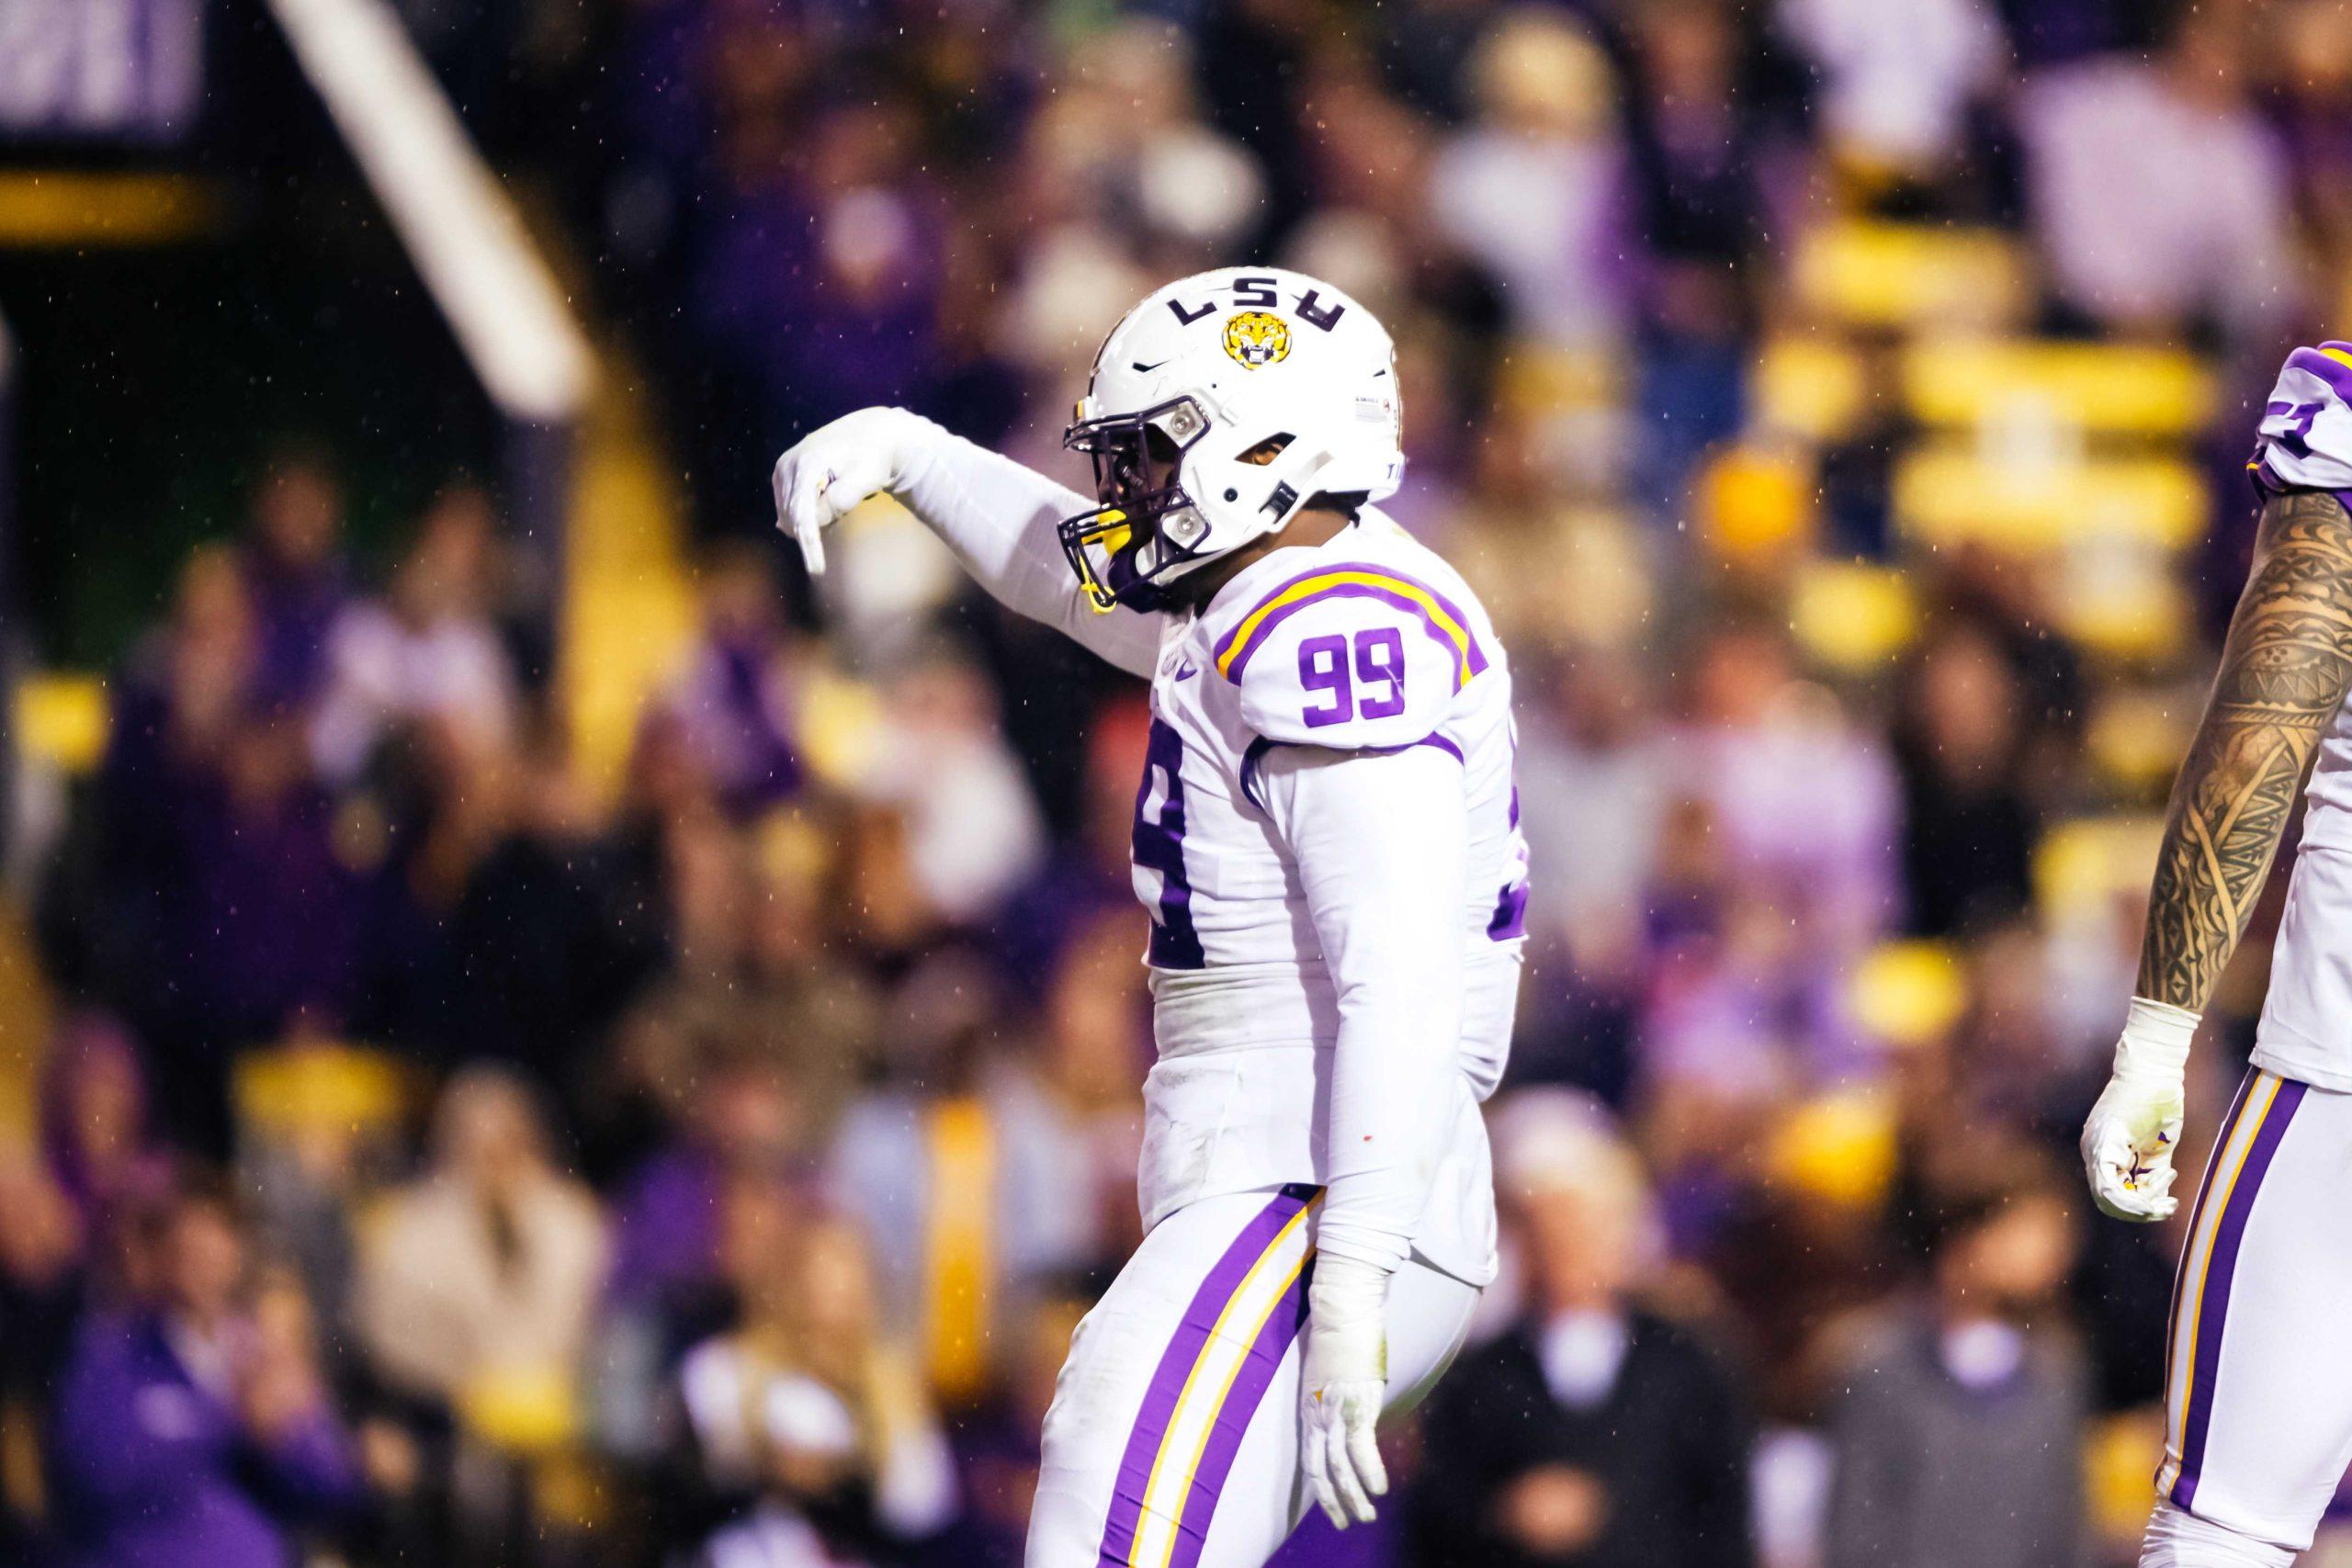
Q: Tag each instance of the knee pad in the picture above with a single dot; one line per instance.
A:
(2177, 1538)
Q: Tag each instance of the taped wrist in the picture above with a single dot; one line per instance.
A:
(2155, 1042)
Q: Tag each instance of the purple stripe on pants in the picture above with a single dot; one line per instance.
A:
(2213, 1310)
(1250, 1385)
(2196, 1217)
(1176, 1364)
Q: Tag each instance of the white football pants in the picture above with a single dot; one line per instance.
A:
(2258, 1367)
(1172, 1442)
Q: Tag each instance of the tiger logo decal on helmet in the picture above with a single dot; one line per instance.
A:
(1218, 409)
(1256, 338)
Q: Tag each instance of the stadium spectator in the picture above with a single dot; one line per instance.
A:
(1961, 745)
(428, 655)
(1547, 134)
(97, 1134)
(489, 1264)
(1959, 1419)
(1898, 81)
(2159, 195)
(732, 705)
(295, 570)
(42, 1297)
(1592, 1432)
(193, 1428)
(812, 1435)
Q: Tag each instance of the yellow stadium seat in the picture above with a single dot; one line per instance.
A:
(1839, 1148)
(1812, 387)
(81, 209)
(1907, 992)
(523, 1410)
(1543, 378)
(2125, 608)
(2083, 866)
(1756, 503)
(2098, 389)
(1850, 615)
(842, 725)
(62, 720)
(2120, 1457)
(2137, 740)
(26, 1013)
(1948, 492)
(1874, 274)
(287, 1089)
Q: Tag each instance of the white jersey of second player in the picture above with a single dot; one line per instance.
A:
(1367, 642)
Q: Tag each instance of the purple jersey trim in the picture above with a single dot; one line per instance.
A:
(2266, 482)
(2327, 367)
(1509, 921)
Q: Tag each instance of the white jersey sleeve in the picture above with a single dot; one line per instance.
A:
(1353, 657)
(998, 517)
(2305, 439)
(1380, 844)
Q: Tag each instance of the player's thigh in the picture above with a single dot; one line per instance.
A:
(1164, 1376)
(2259, 1374)
(1265, 1496)
(1172, 1440)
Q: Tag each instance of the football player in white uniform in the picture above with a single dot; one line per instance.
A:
(2258, 1375)
(1327, 841)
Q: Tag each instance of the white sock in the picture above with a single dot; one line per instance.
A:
(2180, 1539)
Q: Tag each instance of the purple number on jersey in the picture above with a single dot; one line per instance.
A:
(1379, 659)
(2297, 438)
(1323, 667)
(1157, 845)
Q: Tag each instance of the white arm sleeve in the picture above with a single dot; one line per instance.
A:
(998, 517)
(1381, 843)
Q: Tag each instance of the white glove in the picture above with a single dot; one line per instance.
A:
(1343, 1384)
(830, 471)
(2132, 1131)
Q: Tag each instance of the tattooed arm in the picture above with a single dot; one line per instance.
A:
(2286, 665)
(2285, 670)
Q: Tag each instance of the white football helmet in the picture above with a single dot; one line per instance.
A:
(1191, 382)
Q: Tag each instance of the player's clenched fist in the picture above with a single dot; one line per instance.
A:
(2132, 1131)
(824, 478)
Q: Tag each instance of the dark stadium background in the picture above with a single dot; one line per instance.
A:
(574, 994)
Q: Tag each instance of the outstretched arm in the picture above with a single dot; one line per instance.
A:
(2285, 670)
(995, 514)
(2286, 665)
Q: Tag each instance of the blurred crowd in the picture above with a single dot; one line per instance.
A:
(441, 1154)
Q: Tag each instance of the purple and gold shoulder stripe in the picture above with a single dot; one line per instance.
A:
(1439, 618)
(2331, 362)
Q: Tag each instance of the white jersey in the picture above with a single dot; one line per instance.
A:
(1312, 660)
(2306, 1029)
(1369, 642)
